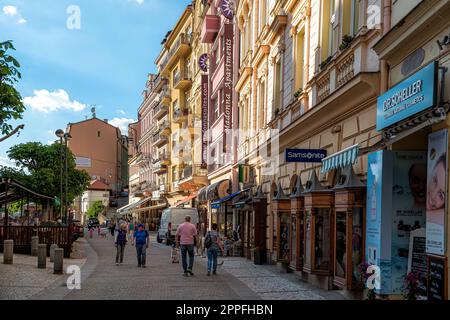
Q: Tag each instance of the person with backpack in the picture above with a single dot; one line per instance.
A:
(120, 241)
(213, 244)
(141, 238)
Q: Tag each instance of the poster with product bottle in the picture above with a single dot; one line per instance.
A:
(408, 209)
(436, 192)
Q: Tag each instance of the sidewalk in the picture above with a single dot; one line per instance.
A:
(269, 283)
(23, 279)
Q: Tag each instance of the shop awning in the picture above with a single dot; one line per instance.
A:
(341, 159)
(126, 209)
(227, 198)
(185, 200)
(203, 194)
(218, 190)
(155, 207)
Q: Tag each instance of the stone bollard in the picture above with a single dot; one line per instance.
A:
(58, 261)
(34, 246)
(42, 256)
(52, 252)
(8, 251)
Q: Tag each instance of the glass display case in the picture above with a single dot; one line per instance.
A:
(281, 213)
(350, 203)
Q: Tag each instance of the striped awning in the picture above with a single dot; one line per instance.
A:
(341, 159)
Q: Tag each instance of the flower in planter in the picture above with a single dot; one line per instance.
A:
(412, 285)
(298, 93)
(346, 40)
(364, 276)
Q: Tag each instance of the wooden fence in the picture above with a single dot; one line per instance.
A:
(49, 235)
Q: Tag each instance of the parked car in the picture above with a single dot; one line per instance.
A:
(171, 218)
(77, 230)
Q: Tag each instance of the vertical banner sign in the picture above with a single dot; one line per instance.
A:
(437, 191)
(228, 83)
(205, 99)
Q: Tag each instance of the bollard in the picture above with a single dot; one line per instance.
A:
(59, 261)
(52, 252)
(8, 251)
(42, 256)
(34, 246)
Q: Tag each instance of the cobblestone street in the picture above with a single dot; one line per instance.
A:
(101, 279)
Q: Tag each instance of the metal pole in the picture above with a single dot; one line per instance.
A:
(67, 189)
(61, 182)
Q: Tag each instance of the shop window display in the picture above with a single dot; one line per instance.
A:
(321, 240)
(341, 245)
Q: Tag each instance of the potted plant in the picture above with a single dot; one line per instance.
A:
(325, 63)
(346, 40)
(412, 285)
(298, 93)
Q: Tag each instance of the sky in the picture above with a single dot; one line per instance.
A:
(76, 54)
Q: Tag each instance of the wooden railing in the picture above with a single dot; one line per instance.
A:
(21, 235)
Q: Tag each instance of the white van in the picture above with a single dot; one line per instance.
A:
(171, 218)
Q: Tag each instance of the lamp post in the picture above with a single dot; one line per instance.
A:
(67, 137)
(60, 134)
(63, 156)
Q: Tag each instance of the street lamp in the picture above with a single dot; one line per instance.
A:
(67, 137)
(63, 156)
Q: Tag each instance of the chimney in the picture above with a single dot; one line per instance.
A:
(106, 120)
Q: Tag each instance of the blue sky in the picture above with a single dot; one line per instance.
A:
(66, 71)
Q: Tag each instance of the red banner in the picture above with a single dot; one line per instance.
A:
(228, 83)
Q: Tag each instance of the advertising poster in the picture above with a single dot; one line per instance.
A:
(378, 213)
(436, 192)
(408, 209)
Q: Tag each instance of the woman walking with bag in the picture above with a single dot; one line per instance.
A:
(213, 243)
(121, 241)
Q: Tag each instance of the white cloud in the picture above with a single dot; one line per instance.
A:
(140, 1)
(10, 10)
(120, 111)
(22, 21)
(122, 124)
(6, 162)
(46, 101)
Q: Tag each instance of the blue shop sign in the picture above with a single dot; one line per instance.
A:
(413, 95)
(305, 155)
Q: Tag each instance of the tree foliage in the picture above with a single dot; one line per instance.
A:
(96, 209)
(39, 166)
(11, 106)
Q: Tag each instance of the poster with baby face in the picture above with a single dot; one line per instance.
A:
(436, 191)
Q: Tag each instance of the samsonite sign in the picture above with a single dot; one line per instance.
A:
(305, 155)
(414, 94)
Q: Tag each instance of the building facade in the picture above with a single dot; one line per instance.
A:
(100, 149)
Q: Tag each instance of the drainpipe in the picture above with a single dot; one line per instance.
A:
(384, 68)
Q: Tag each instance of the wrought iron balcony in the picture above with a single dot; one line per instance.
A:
(180, 49)
(160, 111)
(180, 115)
(182, 79)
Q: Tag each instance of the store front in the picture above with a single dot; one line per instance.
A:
(251, 224)
(319, 206)
(407, 186)
(281, 222)
(297, 226)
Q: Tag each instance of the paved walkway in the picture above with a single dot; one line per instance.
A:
(237, 279)
(23, 279)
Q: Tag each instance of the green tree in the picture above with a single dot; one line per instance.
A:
(11, 106)
(42, 163)
(96, 208)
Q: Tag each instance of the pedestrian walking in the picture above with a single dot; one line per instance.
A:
(131, 230)
(213, 243)
(186, 237)
(120, 242)
(141, 239)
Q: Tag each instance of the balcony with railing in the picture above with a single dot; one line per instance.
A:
(159, 140)
(349, 67)
(164, 158)
(180, 49)
(180, 115)
(193, 177)
(182, 80)
(210, 28)
(159, 83)
(165, 128)
(159, 168)
(160, 111)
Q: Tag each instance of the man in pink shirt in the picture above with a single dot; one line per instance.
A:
(186, 238)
